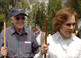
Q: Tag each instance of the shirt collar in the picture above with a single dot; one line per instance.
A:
(73, 37)
(13, 30)
(57, 35)
(25, 30)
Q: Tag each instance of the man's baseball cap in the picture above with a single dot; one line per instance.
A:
(17, 11)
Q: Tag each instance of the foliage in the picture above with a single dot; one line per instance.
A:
(9, 23)
(2, 19)
(53, 7)
(40, 12)
(75, 5)
(39, 15)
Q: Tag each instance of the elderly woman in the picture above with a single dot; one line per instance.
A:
(63, 44)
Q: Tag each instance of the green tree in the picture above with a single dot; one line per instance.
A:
(2, 19)
(75, 5)
(39, 15)
(53, 7)
(40, 12)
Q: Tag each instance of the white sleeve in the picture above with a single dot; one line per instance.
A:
(38, 55)
(80, 50)
(79, 54)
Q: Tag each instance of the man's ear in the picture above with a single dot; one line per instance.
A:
(11, 19)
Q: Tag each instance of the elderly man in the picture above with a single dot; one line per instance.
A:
(20, 41)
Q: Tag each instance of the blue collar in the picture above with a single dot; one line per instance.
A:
(14, 31)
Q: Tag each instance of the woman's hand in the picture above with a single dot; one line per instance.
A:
(44, 49)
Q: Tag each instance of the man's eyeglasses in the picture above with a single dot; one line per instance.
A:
(69, 24)
(18, 18)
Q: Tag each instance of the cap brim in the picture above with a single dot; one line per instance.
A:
(20, 13)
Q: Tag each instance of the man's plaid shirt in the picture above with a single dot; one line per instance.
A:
(20, 46)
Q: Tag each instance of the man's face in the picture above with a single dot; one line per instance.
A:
(18, 21)
(38, 30)
(68, 27)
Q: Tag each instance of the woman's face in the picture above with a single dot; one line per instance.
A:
(68, 27)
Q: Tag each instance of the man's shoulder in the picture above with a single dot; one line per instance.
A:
(7, 31)
(28, 30)
(8, 28)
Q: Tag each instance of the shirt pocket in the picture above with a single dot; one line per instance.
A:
(27, 48)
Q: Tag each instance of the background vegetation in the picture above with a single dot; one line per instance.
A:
(37, 11)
